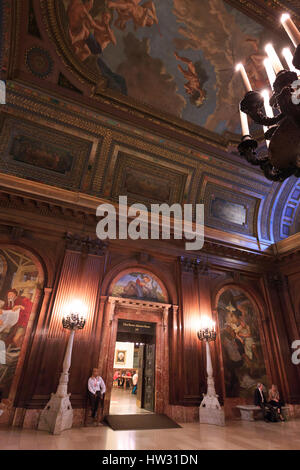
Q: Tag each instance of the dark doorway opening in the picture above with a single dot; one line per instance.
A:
(133, 390)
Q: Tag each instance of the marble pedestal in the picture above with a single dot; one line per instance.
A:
(211, 416)
(57, 415)
(210, 411)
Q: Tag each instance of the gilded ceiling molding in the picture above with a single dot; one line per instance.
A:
(22, 104)
(267, 11)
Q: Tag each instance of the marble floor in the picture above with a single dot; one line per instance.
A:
(124, 403)
(237, 435)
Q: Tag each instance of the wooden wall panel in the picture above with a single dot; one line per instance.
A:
(193, 365)
(80, 277)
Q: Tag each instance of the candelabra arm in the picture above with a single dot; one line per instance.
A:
(253, 106)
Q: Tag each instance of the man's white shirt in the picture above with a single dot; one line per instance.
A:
(96, 384)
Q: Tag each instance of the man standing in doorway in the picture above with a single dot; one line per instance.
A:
(96, 391)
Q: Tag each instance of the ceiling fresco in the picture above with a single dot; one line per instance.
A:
(176, 56)
(73, 119)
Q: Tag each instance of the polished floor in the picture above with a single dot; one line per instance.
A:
(237, 435)
(124, 403)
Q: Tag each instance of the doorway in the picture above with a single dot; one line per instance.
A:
(133, 387)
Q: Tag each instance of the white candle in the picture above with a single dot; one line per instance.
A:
(277, 65)
(244, 123)
(266, 96)
(269, 111)
(286, 52)
(270, 71)
(241, 68)
(291, 29)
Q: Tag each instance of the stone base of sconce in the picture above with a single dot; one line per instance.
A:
(210, 411)
(57, 415)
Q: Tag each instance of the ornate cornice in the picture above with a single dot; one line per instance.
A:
(58, 207)
(267, 12)
(85, 244)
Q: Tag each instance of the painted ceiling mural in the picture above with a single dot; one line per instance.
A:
(177, 56)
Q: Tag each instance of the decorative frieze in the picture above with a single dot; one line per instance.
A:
(84, 244)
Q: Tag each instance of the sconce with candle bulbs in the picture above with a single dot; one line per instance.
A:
(279, 115)
(207, 330)
(75, 316)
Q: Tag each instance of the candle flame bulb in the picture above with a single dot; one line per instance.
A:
(285, 17)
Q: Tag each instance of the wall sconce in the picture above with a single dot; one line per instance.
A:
(75, 316)
(210, 411)
(58, 414)
(207, 330)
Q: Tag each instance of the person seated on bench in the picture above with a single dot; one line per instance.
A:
(260, 399)
(274, 400)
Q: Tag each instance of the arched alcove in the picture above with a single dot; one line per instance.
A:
(243, 352)
(135, 293)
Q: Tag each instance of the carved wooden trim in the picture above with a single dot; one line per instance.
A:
(134, 303)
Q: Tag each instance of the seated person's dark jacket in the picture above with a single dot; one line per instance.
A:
(257, 398)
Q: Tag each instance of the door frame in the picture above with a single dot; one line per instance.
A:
(136, 310)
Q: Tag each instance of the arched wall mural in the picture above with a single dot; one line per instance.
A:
(243, 359)
(139, 284)
(19, 279)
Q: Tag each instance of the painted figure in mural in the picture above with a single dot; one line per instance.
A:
(193, 86)
(80, 25)
(141, 288)
(90, 37)
(17, 303)
(255, 66)
(16, 294)
(8, 319)
(104, 34)
(241, 346)
(233, 355)
(142, 15)
(244, 334)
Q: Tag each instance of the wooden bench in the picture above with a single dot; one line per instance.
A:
(253, 413)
